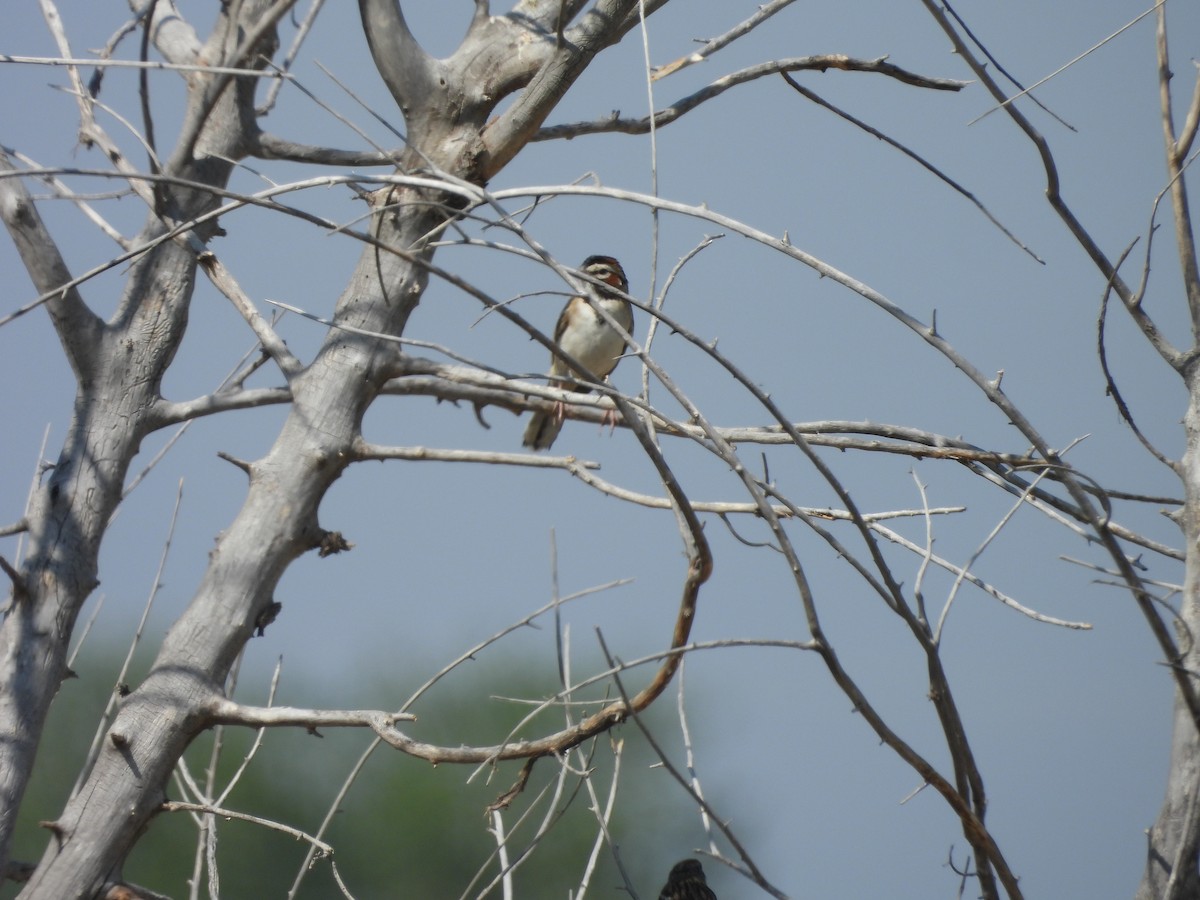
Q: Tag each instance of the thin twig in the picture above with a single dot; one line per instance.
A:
(916, 157)
(205, 809)
(1063, 68)
(748, 867)
(140, 64)
(283, 70)
(1110, 383)
(114, 698)
(1000, 67)
(684, 105)
(712, 46)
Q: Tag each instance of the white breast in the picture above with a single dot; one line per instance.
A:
(593, 341)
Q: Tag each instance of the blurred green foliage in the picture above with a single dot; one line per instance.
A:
(405, 828)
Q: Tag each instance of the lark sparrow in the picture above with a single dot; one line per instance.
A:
(584, 335)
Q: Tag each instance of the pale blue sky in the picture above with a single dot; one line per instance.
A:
(1071, 728)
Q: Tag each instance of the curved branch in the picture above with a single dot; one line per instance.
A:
(1110, 384)
(686, 104)
(698, 571)
(691, 785)
(613, 714)
(966, 797)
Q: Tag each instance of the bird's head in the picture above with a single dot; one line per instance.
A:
(607, 270)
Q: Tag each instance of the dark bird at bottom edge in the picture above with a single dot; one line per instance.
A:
(582, 332)
(686, 882)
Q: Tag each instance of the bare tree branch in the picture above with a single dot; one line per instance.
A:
(63, 191)
(920, 160)
(407, 70)
(1110, 383)
(686, 104)
(17, 527)
(1165, 349)
(79, 329)
(714, 44)
(226, 712)
(148, 64)
(364, 451)
(454, 141)
(1183, 145)
(751, 868)
(168, 413)
(1173, 357)
(269, 146)
(1002, 70)
(271, 342)
(601, 26)
(289, 58)
(180, 806)
(173, 36)
(1185, 238)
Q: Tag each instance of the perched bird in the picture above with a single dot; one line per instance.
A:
(584, 335)
(686, 882)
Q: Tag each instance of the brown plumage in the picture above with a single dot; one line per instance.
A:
(686, 882)
(583, 333)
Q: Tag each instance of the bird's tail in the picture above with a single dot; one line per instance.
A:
(541, 431)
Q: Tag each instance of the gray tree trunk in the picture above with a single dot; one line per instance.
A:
(1173, 843)
(119, 375)
(446, 104)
